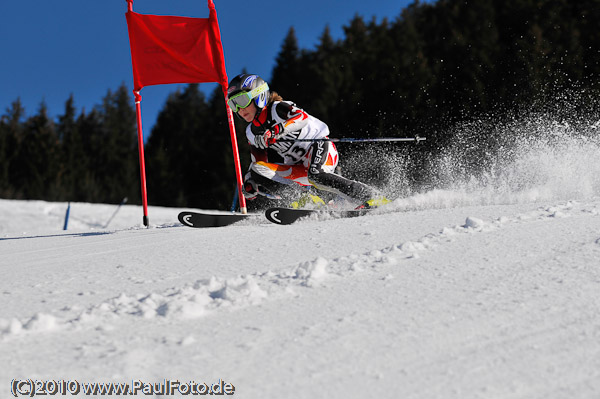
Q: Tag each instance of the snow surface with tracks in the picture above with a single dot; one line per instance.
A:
(456, 292)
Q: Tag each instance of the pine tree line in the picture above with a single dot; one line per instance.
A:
(435, 65)
(90, 157)
(441, 63)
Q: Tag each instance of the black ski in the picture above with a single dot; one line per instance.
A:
(290, 215)
(200, 219)
(281, 216)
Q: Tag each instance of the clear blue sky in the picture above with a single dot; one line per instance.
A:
(51, 49)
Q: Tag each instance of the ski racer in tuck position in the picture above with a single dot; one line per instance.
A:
(277, 158)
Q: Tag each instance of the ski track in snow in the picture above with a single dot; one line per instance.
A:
(228, 294)
(441, 297)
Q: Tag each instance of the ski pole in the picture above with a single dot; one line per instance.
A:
(234, 203)
(357, 140)
(67, 216)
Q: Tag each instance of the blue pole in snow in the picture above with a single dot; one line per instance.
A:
(235, 199)
(67, 216)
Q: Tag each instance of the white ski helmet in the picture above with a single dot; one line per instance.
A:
(245, 88)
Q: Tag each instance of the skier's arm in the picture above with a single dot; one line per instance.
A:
(287, 119)
(293, 119)
(257, 152)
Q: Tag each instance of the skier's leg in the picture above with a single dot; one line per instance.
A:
(324, 159)
(261, 179)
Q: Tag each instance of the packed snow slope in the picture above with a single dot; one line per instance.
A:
(485, 286)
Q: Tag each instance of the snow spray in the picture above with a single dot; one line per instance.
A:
(536, 158)
(552, 153)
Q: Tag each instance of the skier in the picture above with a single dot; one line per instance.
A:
(273, 126)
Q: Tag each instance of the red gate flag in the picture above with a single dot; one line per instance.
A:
(170, 49)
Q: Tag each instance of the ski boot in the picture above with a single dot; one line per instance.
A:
(374, 203)
(309, 201)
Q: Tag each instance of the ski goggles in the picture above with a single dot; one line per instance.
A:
(244, 98)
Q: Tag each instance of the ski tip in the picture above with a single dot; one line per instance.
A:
(272, 215)
(199, 219)
(285, 216)
(185, 218)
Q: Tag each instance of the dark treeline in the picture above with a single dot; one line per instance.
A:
(431, 67)
(90, 157)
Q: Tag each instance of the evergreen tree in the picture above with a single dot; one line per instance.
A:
(286, 73)
(327, 76)
(408, 102)
(586, 14)
(11, 134)
(355, 65)
(90, 128)
(117, 148)
(36, 164)
(4, 156)
(73, 159)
